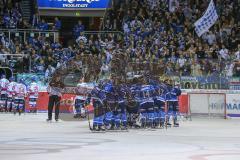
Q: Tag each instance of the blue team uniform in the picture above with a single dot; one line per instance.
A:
(121, 115)
(146, 107)
(172, 101)
(175, 92)
(97, 99)
(111, 102)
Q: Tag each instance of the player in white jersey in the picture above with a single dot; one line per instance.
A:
(10, 94)
(33, 90)
(79, 111)
(3, 89)
(20, 95)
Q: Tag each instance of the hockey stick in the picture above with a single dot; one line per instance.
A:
(89, 123)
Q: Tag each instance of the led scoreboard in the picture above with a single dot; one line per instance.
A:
(73, 4)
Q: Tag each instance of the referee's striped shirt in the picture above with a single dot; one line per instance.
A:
(54, 91)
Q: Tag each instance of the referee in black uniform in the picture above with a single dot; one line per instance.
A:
(54, 90)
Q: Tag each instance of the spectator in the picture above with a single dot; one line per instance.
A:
(237, 53)
(43, 25)
(35, 20)
(211, 38)
(170, 39)
(78, 28)
(224, 53)
(181, 61)
(104, 69)
(57, 24)
(49, 72)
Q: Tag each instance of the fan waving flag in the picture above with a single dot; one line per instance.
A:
(207, 20)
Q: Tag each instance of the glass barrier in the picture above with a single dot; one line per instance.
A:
(211, 82)
(28, 78)
(208, 76)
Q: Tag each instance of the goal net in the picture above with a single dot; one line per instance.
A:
(211, 105)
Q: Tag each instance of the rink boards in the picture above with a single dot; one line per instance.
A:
(67, 102)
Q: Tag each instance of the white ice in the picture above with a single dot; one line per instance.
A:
(29, 137)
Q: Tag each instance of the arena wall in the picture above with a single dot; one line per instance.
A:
(66, 106)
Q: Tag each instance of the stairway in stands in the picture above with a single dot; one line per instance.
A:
(27, 9)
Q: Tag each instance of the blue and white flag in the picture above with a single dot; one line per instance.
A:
(207, 20)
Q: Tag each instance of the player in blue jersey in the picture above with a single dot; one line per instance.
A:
(132, 106)
(143, 107)
(146, 107)
(174, 106)
(112, 102)
(97, 97)
(160, 101)
(120, 117)
(172, 101)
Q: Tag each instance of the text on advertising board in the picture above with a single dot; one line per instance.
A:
(77, 4)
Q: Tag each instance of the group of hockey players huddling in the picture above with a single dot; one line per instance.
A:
(14, 94)
(119, 107)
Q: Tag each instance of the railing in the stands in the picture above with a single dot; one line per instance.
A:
(23, 35)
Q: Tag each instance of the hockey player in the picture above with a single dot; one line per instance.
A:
(151, 116)
(142, 107)
(174, 107)
(97, 96)
(172, 102)
(111, 102)
(132, 107)
(161, 101)
(157, 104)
(121, 115)
(20, 95)
(10, 94)
(33, 90)
(79, 111)
(3, 89)
(147, 107)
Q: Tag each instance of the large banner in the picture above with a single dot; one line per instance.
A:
(66, 104)
(201, 82)
(73, 4)
(233, 105)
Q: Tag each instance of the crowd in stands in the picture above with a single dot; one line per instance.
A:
(11, 18)
(156, 32)
(151, 32)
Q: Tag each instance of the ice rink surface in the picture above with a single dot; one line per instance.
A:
(30, 137)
